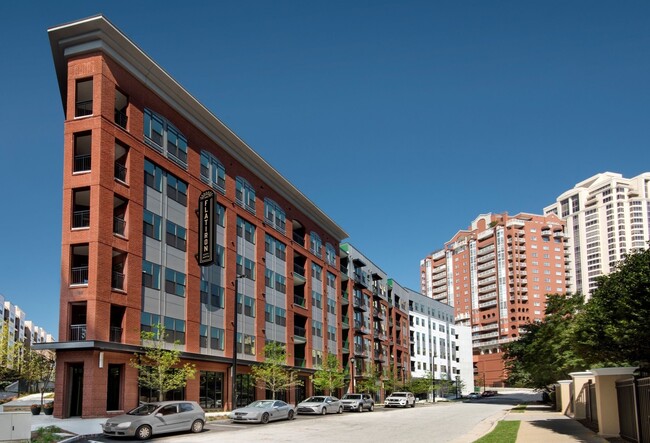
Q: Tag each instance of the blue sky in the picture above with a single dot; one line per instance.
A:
(402, 120)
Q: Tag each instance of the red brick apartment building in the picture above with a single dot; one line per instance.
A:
(139, 152)
(496, 275)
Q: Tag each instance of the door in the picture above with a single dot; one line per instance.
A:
(113, 388)
(76, 379)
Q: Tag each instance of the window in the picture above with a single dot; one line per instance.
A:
(274, 215)
(174, 282)
(331, 333)
(331, 280)
(245, 194)
(248, 344)
(82, 148)
(330, 254)
(153, 176)
(315, 244)
(176, 236)
(246, 230)
(275, 247)
(176, 190)
(165, 138)
(317, 299)
(121, 104)
(221, 215)
(249, 306)
(217, 339)
(316, 272)
(149, 322)
(213, 172)
(269, 311)
(212, 294)
(245, 267)
(280, 283)
(316, 328)
(280, 316)
(150, 275)
(331, 306)
(84, 98)
(174, 330)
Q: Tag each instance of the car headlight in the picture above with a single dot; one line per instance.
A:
(123, 425)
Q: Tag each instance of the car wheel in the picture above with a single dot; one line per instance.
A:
(265, 418)
(340, 410)
(143, 432)
(324, 411)
(360, 408)
(413, 404)
(372, 407)
(197, 426)
(290, 415)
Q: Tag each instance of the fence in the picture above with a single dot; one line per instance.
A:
(633, 397)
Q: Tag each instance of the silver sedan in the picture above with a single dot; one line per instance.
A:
(263, 411)
(320, 404)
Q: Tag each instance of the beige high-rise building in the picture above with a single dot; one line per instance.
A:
(496, 275)
(607, 216)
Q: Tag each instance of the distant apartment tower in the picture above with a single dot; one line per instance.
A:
(607, 216)
(141, 156)
(496, 275)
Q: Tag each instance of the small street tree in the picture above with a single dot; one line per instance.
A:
(273, 374)
(330, 376)
(38, 369)
(158, 367)
(370, 381)
(10, 358)
(392, 382)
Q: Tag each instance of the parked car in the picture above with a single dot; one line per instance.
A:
(157, 418)
(263, 411)
(473, 395)
(358, 402)
(489, 393)
(402, 399)
(320, 404)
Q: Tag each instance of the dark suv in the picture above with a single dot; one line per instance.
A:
(358, 402)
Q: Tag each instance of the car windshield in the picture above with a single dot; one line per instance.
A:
(315, 400)
(398, 394)
(145, 409)
(352, 397)
(261, 404)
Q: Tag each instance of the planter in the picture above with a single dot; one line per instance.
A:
(36, 410)
(48, 409)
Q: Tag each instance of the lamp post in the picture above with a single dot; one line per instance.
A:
(233, 395)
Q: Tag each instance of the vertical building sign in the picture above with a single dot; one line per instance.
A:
(205, 256)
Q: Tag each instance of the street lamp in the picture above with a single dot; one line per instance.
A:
(233, 394)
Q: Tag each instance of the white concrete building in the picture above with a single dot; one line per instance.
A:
(607, 216)
(439, 346)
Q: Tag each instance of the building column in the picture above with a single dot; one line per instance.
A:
(563, 396)
(606, 400)
(579, 393)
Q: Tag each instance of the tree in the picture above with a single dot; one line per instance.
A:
(370, 381)
(158, 367)
(10, 358)
(421, 385)
(330, 376)
(392, 382)
(273, 374)
(443, 385)
(545, 352)
(615, 326)
(38, 369)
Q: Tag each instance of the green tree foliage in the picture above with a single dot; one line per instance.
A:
(158, 367)
(38, 369)
(10, 358)
(615, 327)
(330, 376)
(392, 382)
(545, 351)
(370, 381)
(422, 385)
(273, 374)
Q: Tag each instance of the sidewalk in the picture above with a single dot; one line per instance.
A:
(540, 423)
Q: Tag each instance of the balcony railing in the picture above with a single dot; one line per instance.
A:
(117, 281)
(299, 362)
(345, 323)
(81, 163)
(116, 334)
(84, 108)
(121, 118)
(81, 219)
(77, 332)
(79, 275)
(359, 303)
(120, 172)
(299, 331)
(299, 301)
(300, 239)
(119, 226)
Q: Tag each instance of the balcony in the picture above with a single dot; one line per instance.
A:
(361, 328)
(360, 279)
(83, 108)
(345, 322)
(298, 274)
(115, 334)
(345, 347)
(81, 163)
(360, 351)
(121, 118)
(79, 275)
(117, 281)
(487, 304)
(299, 335)
(359, 304)
(119, 226)
(77, 332)
(120, 172)
(299, 362)
(299, 301)
(345, 299)
(81, 219)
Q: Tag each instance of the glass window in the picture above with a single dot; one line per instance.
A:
(280, 316)
(245, 267)
(268, 313)
(217, 339)
(245, 194)
(174, 282)
(274, 215)
(150, 275)
(213, 172)
(84, 97)
(176, 236)
(176, 190)
(151, 225)
(153, 176)
(315, 244)
(246, 230)
(330, 254)
(164, 137)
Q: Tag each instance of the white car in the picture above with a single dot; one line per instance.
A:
(402, 399)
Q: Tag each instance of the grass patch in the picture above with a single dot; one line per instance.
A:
(505, 432)
(47, 434)
(519, 409)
